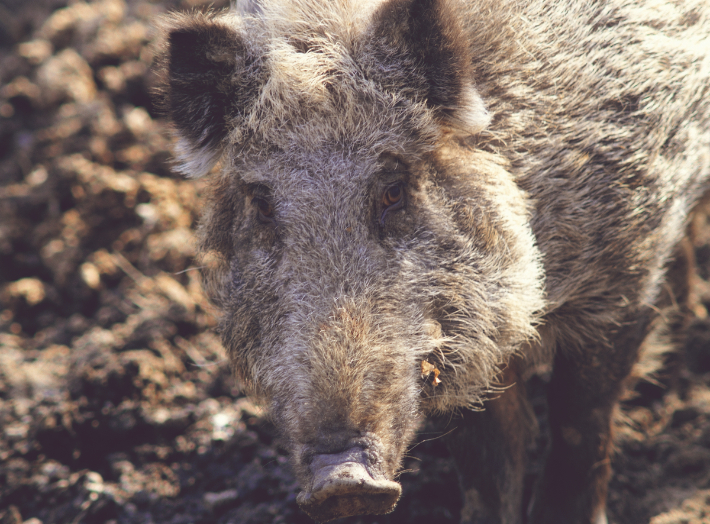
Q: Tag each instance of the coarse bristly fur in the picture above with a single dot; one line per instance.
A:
(547, 155)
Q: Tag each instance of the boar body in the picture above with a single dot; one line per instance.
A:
(419, 199)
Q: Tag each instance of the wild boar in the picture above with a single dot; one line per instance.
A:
(417, 200)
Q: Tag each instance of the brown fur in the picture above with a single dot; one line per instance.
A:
(549, 153)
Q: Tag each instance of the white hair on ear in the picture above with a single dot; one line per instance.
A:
(471, 115)
(245, 7)
(195, 163)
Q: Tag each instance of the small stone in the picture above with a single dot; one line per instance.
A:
(37, 177)
(220, 501)
(138, 121)
(67, 76)
(35, 51)
(31, 289)
(90, 275)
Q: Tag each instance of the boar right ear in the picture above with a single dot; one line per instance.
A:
(420, 48)
(207, 80)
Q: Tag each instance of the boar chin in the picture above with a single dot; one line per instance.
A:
(343, 486)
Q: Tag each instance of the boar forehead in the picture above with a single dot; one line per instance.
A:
(297, 171)
(320, 87)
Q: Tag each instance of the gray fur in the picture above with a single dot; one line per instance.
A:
(550, 153)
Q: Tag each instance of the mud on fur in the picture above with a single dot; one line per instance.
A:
(480, 186)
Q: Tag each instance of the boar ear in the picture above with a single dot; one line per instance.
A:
(204, 86)
(427, 37)
(247, 7)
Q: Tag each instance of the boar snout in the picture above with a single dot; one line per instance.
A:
(345, 485)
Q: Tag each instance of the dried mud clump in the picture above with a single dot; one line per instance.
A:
(116, 403)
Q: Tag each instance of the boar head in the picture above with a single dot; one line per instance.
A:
(352, 236)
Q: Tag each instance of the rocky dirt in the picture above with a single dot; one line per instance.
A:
(116, 402)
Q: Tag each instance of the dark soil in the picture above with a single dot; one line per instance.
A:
(116, 402)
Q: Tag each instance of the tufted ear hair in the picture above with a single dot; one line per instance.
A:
(421, 50)
(247, 7)
(208, 79)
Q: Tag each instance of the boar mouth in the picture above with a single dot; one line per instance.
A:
(343, 487)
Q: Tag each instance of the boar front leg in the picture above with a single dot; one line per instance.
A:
(489, 448)
(582, 395)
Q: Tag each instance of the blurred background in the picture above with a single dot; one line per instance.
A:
(116, 402)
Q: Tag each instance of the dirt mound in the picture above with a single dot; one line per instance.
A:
(116, 403)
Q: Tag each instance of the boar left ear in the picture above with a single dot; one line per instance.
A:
(424, 48)
(207, 80)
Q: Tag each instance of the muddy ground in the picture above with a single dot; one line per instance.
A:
(116, 403)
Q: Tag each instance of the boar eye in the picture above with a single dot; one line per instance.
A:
(265, 211)
(392, 199)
